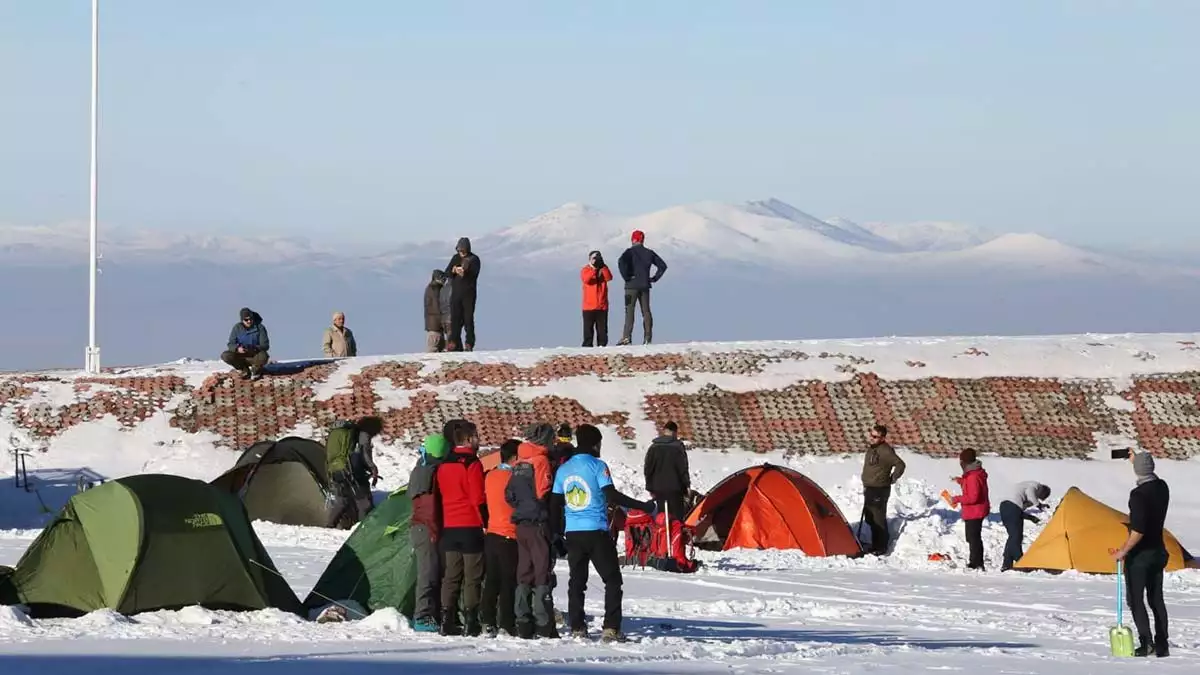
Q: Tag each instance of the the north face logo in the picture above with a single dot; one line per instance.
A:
(200, 520)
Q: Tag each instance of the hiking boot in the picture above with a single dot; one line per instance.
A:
(450, 627)
(425, 625)
(473, 629)
(549, 631)
(469, 348)
(579, 633)
(525, 630)
(490, 630)
(613, 635)
(255, 375)
(1142, 650)
(625, 342)
(1160, 648)
(244, 374)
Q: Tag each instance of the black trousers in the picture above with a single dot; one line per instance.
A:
(594, 548)
(975, 543)
(1014, 522)
(672, 499)
(875, 500)
(499, 581)
(1144, 581)
(462, 315)
(595, 326)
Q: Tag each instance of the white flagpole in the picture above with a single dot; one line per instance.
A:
(92, 355)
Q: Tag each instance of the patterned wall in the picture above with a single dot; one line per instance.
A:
(1020, 417)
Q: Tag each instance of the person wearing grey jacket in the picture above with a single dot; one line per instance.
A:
(1013, 514)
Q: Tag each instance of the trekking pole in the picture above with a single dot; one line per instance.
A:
(669, 552)
(323, 597)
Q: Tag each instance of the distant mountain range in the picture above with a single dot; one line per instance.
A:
(759, 270)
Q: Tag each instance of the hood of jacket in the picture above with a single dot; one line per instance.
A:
(439, 278)
(974, 466)
(464, 244)
(528, 450)
(668, 440)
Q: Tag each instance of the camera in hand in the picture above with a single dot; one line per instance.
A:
(1122, 453)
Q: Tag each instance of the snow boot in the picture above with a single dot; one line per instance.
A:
(1161, 649)
(425, 625)
(490, 630)
(579, 633)
(450, 626)
(473, 629)
(613, 635)
(525, 630)
(549, 631)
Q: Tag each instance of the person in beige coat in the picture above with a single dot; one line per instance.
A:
(339, 340)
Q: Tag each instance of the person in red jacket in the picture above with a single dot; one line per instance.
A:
(595, 277)
(974, 503)
(464, 512)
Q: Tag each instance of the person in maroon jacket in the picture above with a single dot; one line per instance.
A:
(974, 503)
(464, 512)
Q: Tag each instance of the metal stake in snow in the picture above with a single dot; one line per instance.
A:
(92, 354)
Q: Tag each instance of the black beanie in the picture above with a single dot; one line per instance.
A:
(588, 438)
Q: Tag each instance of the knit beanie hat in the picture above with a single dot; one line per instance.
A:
(588, 437)
(541, 434)
(638, 237)
(435, 446)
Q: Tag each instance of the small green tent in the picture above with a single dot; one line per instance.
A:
(281, 481)
(375, 566)
(148, 542)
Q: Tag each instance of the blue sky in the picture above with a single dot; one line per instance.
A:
(413, 120)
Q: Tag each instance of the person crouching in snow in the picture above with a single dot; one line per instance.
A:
(595, 277)
(423, 534)
(464, 511)
(528, 495)
(583, 488)
(248, 345)
(1012, 512)
(500, 549)
(435, 335)
(974, 503)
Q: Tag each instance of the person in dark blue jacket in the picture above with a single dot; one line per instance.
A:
(634, 266)
(248, 345)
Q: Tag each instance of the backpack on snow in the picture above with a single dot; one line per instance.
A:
(646, 543)
(339, 445)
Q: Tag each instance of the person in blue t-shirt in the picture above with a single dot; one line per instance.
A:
(582, 490)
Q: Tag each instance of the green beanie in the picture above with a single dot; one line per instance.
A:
(436, 446)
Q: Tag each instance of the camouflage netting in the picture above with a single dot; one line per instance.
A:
(1019, 417)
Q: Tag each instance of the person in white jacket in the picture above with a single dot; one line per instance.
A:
(1013, 513)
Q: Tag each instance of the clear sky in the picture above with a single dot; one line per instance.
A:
(400, 120)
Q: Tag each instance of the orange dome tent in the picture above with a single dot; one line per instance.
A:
(1080, 534)
(771, 507)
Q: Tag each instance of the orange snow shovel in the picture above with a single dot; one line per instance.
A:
(1120, 637)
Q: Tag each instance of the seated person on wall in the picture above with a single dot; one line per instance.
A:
(248, 345)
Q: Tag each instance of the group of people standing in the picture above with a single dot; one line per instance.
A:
(1144, 553)
(485, 544)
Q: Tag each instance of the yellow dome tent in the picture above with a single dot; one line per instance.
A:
(1080, 535)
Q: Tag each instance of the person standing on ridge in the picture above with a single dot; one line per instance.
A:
(595, 276)
(1145, 554)
(463, 270)
(248, 345)
(634, 266)
(583, 489)
(974, 503)
(1012, 513)
(338, 341)
(881, 469)
(666, 468)
(435, 333)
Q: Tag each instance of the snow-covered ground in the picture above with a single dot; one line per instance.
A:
(743, 612)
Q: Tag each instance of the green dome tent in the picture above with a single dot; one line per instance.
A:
(144, 543)
(281, 481)
(375, 566)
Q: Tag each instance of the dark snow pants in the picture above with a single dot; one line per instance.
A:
(639, 297)
(595, 327)
(462, 316)
(244, 363)
(462, 555)
(429, 574)
(1144, 581)
(673, 500)
(975, 543)
(533, 602)
(499, 582)
(875, 501)
(596, 549)
(1014, 522)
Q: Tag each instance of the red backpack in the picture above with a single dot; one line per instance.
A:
(646, 543)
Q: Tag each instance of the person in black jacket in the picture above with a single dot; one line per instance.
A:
(634, 266)
(666, 469)
(463, 270)
(1145, 553)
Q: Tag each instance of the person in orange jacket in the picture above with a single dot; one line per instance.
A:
(500, 549)
(595, 277)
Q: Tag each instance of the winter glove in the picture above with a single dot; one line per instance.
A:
(559, 544)
(1032, 519)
